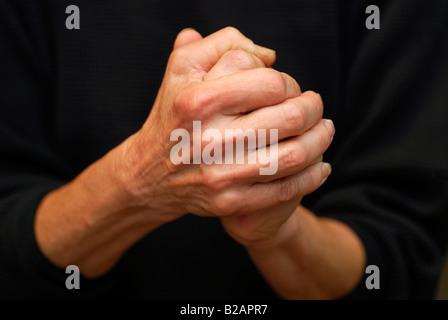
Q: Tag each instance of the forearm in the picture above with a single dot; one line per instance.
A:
(311, 258)
(93, 220)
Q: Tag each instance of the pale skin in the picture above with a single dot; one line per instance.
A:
(225, 81)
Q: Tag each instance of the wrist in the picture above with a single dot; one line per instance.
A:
(281, 239)
(94, 219)
(141, 175)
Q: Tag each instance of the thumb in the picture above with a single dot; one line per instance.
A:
(205, 53)
(186, 36)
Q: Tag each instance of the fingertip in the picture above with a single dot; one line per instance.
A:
(292, 86)
(330, 127)
(268, 56)
(326, 170)
(186, 36)
(265, 50)
(313, 94)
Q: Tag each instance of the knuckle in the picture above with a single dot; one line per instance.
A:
(191, 101)
(288, 189)
(215, 180)
(294, 115)
(212, 180)
(225, 204)
(294, 159)
(311, 180)
(275, 82)
(316, 101)
(232, 32)
(178, 55)
(240, 58)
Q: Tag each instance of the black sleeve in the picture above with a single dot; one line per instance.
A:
(390, 153)
(29, 165)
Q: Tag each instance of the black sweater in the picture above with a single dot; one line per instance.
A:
(69, 96)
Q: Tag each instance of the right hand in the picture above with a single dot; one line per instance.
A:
(224, 81)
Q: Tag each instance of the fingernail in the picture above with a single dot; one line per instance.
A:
(326, 170)
(261, 48)
(186, 29)
(330, 127)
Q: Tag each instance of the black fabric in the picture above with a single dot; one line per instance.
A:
(69, 96)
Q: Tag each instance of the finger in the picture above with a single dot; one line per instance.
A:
(186, 36)
(291, 117)
(206, 52)
(317, 160)
(296, 154)
(292, 156)
(263, 195)
(237, 93)
(232, 62)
